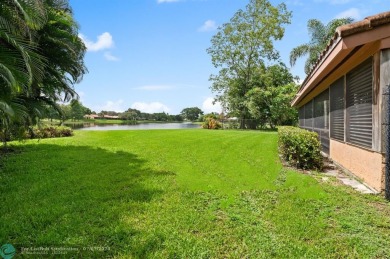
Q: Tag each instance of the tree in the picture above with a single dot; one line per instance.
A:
(20, 62)
(269, 101)
(320, 35)
(281, 111)
(109, 113)
(59, 42)
(77, 110)
(66, 112)
(241, 48)
(161, 116)
(41, 58)
(87, 110)
(64, 51)
(19, 59)
(191, 113)
(130, 114)
(177, 117)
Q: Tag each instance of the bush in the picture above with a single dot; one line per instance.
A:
(300, 148)
(50, 132)
(211, 123)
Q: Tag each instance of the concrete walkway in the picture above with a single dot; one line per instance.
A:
(331, 170)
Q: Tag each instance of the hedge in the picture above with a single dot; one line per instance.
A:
(50, 132)
(300, 148)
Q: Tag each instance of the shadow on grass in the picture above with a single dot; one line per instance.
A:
(76, 196)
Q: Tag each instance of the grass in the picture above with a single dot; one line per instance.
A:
(181, 194)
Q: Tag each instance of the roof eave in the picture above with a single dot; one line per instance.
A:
(327, 62)
(346, 38)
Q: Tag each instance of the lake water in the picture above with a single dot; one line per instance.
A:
(140, 126)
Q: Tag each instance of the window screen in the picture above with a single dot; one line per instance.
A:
(321, 110)
(337, 110)
(321, 119)
(301, 116)
(309, 115)
(359, 105)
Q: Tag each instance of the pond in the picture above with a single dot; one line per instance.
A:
(140, 126)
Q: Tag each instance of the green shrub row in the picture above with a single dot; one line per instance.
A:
(50, 132)
(300, 148)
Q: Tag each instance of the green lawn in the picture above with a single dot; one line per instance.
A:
(181, 194)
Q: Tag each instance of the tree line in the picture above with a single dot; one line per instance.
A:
(75, 110)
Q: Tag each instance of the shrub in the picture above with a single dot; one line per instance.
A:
(50, 132)
(211, 123)
(300, 148)
(234, 124)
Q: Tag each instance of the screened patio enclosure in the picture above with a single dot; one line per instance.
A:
(342, 98)
(344, 110)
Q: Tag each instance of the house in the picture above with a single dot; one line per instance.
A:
(96, 116)
(91, 116)
(111, 117)
(343, 98)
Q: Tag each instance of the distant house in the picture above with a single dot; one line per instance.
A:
(95, 116)
(92, 116)
(343, 97)
(111, 117)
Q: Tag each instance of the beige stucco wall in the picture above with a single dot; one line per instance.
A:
(366, 165)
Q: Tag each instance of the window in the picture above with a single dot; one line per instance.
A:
(337, 110)
(301, 114)
(321, 119)
(309, 115)
(359, 105)
(321, 110)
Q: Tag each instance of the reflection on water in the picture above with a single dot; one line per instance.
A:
(140, 126)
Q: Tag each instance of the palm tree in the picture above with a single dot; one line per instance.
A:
(41, 58)
(64, 51)
(18, 20)
(20, 62)
(320, 35)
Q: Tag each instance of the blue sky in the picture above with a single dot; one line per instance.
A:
(151, 54)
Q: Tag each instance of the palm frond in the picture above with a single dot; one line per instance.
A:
(333, 24)
(320, 35)
(33, 12)
(317, 31)
(298, 52)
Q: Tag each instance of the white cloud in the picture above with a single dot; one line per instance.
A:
(110, 57)
(167, 1)
(154, 87)
(116, 106)
(208, 25)
(152, 107)
(352, 13)
(104, 41)
(209, 107)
